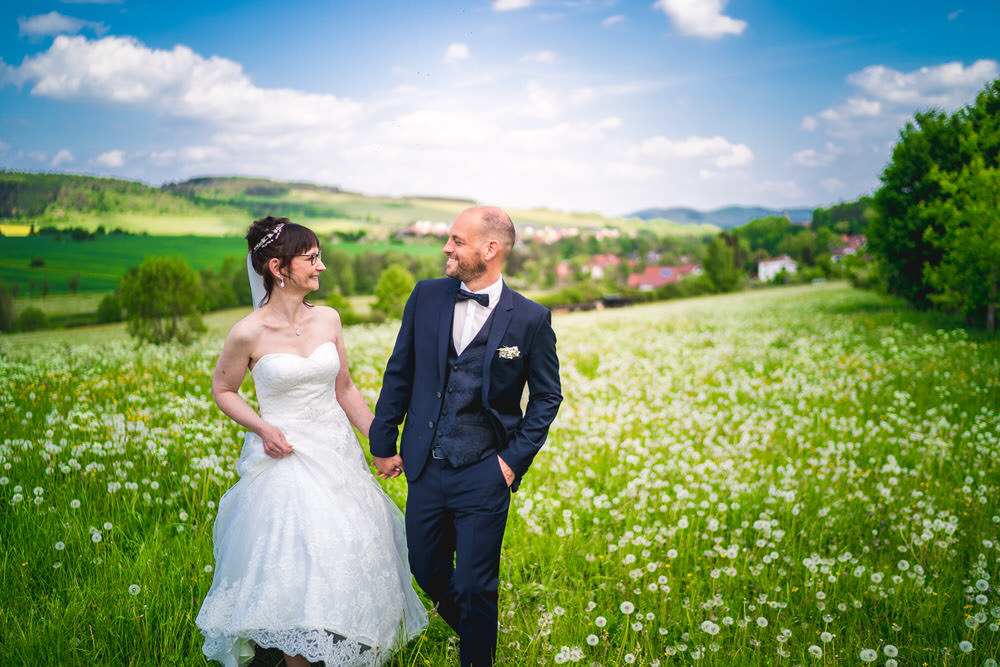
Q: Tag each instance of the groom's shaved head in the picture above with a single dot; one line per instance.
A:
(496, 225)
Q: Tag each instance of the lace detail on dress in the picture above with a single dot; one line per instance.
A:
(310, 554)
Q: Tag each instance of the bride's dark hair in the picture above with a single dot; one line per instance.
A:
(264, 245)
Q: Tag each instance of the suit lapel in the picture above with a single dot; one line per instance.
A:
(501, 320)
(444, 327)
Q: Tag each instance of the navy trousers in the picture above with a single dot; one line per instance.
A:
(455, 521)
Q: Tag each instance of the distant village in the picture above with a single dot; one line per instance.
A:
(654, 275)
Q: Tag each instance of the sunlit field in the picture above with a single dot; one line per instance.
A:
(805, 476)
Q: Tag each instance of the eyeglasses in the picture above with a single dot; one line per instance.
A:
(313, 258)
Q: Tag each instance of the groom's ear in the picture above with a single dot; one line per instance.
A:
(492, 249)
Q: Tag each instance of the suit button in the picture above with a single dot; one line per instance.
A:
(451, 389)
(430, 424)
(438, 394)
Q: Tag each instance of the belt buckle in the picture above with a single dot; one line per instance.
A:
(436, 453)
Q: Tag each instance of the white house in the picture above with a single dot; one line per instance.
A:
(767, 269)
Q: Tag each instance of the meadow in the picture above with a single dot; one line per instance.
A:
(801, 476)
(102, 261)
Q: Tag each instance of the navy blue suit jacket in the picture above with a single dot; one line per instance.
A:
(414, 379)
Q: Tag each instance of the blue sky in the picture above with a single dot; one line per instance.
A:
(582, 105)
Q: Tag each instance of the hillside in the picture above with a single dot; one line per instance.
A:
(223, 205)
(726, 217)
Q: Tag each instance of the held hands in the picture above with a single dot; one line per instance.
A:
(275, 444)
(388, 467)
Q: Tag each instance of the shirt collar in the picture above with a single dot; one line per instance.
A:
(493, 290)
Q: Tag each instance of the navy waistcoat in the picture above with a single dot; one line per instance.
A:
(464, 431)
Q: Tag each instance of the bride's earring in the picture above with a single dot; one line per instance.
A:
(282, 282)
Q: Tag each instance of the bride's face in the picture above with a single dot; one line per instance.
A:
(306, 267)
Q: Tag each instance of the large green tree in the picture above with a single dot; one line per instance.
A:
(393, 287)
(967, 279)
(720, 266)
(161, 299)
(920, 210)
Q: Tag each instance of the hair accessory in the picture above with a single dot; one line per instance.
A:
(269, 237)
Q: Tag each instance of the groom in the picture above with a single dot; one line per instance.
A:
(466, 347)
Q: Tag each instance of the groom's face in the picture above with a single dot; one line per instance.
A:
(464, 250)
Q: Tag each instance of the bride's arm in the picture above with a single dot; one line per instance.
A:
(348, 395)
(226, 381)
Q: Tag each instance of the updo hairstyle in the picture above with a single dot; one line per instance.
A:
(290, 241)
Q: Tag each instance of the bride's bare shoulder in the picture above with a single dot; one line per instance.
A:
(327, 315)
(246, 331)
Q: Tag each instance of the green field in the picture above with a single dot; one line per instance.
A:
(102, 261)
(793, 476)
(222, 206)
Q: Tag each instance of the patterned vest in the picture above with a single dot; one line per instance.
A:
(464, 431)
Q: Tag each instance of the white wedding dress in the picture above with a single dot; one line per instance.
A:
(310, 554)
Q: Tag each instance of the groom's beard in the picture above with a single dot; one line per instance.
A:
(464, 270)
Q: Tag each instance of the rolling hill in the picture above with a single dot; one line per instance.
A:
(726, 217)
(223, 205)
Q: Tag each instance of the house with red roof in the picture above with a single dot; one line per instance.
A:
(658, 276)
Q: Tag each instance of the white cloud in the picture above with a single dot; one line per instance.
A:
(54, 23)
(179, 82)
(833, 184)
(540, 57)
(494, 137)
(719, 151)
(455, 53)
(947, 86)
(509, 5)
(112, 158)
(62, 157)
(613, 20)
(439, 128)
(889, 97)
(701, 18)
(811, 158)
(955, 14)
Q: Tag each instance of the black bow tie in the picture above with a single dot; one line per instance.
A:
(464, 295)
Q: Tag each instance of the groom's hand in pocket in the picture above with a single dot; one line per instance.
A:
(508, 474)
(388, 467)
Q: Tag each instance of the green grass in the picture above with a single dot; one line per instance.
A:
(728, 479)
(103, 261)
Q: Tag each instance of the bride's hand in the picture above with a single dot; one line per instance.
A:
(275, 444)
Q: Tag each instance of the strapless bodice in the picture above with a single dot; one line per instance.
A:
(290, 386)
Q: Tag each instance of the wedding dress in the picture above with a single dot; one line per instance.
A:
(310, 554)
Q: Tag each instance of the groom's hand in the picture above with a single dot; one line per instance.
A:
(388, 467)
(508, 474)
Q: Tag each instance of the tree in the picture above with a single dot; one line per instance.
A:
(74, 283)
(7, 317)
(161, 300)
(339, 274)
(719, 266)
(967, 279)
(907, 234)
(339, 302)
(217, 291)
(393, 287)
(110, 309)
(32, 319)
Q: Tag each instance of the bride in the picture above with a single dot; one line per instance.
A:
(310, 554)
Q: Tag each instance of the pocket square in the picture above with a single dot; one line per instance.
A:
(509, 352)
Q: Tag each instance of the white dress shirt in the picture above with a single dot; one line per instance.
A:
(470, 317)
